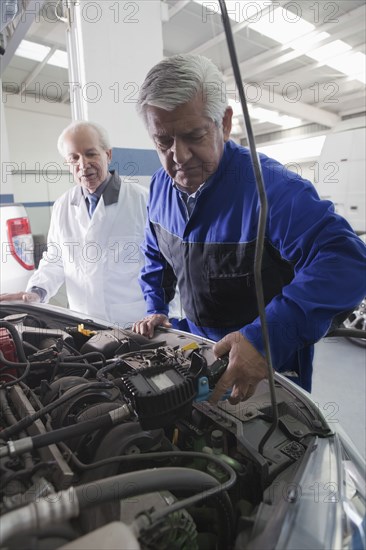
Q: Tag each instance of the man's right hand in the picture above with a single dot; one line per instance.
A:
(147, 325)
(26, 297)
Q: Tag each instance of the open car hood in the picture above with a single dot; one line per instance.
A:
(109, 441)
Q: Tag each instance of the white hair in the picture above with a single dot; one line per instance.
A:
(75, 126)
(178, 79)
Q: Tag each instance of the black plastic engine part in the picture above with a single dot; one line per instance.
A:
(159, 395)
(117, 342)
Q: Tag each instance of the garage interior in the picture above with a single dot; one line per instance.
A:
(305, 89)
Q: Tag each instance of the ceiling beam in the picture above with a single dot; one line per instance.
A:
(222, 37)
(300, 110)
(353, 96)
(178, 6)
(292, 107)
(24, 22)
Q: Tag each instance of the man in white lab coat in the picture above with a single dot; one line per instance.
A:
(96, 228)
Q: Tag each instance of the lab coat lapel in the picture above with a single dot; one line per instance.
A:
(102, 222)
(80, 210)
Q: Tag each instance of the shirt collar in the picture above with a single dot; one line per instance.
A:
(196, 193)
(98, 192)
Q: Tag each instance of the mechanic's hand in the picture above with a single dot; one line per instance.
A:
(27, 297)
(246, 368)
(147, 325)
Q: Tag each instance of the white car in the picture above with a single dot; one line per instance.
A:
(17, 248)
(107, 440)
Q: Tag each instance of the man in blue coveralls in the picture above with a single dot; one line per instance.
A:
(202, 230)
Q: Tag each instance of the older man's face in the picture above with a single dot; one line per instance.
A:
(189, 144)
(87, 159)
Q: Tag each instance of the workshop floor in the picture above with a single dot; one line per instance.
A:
(339, 386)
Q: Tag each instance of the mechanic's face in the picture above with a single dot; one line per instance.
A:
(189, 144)
(87, 159)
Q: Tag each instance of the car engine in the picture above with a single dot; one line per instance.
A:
(108, 440)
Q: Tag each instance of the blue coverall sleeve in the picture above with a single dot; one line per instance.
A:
(157, 279)
(328, 260)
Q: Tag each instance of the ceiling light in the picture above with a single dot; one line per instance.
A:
(307, 42)
(265, 115)
(282, 25)
(293, 151)
(32, 50)
(59, 58)
(289, 121)
(327, 51)
(352, 64)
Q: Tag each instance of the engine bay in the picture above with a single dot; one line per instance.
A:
(108, 440)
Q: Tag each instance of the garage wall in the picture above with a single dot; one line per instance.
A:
(35, 167)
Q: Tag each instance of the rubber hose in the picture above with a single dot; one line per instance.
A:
(141, 482)
(28, 420)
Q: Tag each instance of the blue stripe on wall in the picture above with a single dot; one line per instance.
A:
(134, 162)
(6, 199)
(32, 204)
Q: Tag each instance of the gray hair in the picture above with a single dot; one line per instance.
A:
(75, 126)
(178, 79)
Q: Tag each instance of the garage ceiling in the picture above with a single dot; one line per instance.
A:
(295, 87)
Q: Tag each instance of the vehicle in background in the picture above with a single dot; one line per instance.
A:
(17, 248)
(357, 319)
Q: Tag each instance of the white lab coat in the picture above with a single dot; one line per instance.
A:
(99, 259)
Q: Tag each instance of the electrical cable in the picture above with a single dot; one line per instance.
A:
(15, 380)
(261, 225)
(87, 356)
(119, 358)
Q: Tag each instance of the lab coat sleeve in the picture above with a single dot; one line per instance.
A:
(157, 279)
(50, 274)
(329, 267)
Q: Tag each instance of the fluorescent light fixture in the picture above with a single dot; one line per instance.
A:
(327, 51)
(282, 25)
(352, 64)
(32, 50)
(287, 121)
(308, 42)
(339, 56)
(265, 115)
(59, 59)
(293, 151)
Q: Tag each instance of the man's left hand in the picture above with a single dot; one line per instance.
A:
(246, 368)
